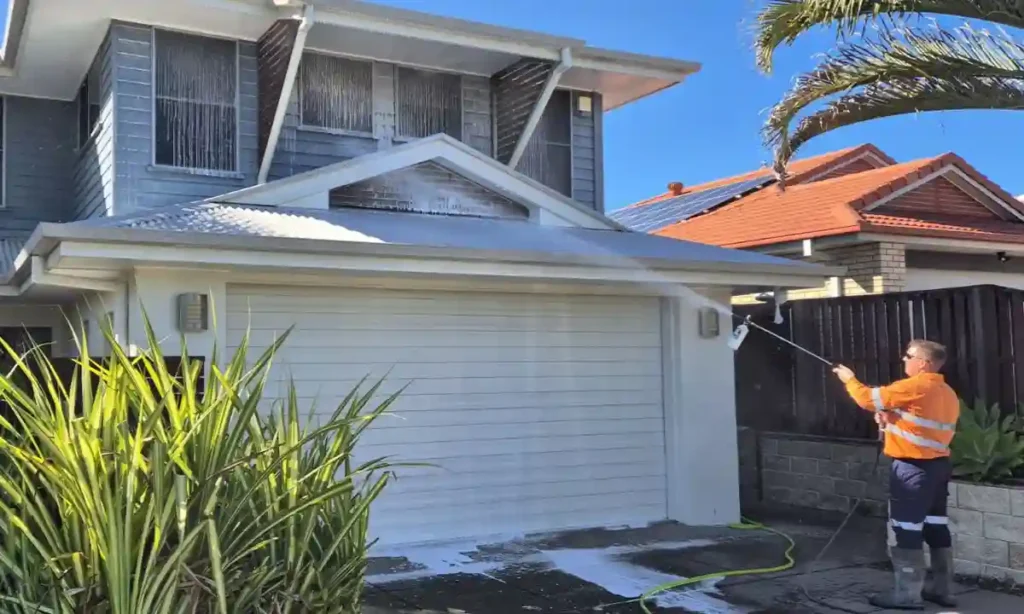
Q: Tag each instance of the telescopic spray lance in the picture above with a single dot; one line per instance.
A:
(743, 329)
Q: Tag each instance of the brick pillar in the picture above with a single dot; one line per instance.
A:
(872, 268)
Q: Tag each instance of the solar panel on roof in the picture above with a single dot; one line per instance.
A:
(646, 218)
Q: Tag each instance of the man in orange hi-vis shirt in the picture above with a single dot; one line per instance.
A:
(919, 416)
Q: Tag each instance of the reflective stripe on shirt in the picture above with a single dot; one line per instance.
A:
(925, 422)
(917, 439)
(876, 396)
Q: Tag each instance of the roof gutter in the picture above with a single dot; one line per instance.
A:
(286, 92)
(564, 64)
(133, 236)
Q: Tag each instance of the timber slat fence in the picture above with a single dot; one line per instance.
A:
(781, 389)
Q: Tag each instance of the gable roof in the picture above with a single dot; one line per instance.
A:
(439, 148)
(846, 205)
(800, 170)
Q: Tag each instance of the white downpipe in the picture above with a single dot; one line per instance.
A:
(564, 64)
(286, 92)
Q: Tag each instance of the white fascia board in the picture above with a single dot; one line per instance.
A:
(421, 26)
(376, 264)
(607, 60)
(939, 244)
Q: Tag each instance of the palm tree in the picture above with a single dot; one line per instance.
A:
(905, 64)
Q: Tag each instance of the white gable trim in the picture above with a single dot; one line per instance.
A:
(309, 189)
(949, 169)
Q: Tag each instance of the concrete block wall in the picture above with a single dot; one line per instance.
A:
(794, 471)
(987, 523)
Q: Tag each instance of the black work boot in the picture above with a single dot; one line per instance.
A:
(939, 588)
(908, 581)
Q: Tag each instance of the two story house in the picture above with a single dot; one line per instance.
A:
(415, 194)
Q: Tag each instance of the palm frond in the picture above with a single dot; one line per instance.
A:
(903, 97)
(783, 21)
(895, 57)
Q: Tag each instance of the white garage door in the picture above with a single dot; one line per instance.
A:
(540, 412)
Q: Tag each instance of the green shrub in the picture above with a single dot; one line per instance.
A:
(986, 447)
(125, 492)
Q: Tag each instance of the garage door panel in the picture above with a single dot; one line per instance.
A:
(539, 341)
(529, 517)
(411, 401)
(594, 445)
(542, 405)
(509, 465)
(281, 299)
(472, 323)
(482, 475)
(480, 385)
(316, 372)
(609, 488)
(357, 357)
(411, 431)
(518, 415)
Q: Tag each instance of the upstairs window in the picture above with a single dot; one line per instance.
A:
(548, 155)
(89, 105)
(196, 102)
(427, 103)
(336, 93)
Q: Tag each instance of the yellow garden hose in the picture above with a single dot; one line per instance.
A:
(745, 525)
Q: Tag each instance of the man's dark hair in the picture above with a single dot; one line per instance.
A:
(932, 351)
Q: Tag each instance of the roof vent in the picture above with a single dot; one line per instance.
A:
(676, 188)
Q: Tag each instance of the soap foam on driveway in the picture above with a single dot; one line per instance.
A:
(608, 568)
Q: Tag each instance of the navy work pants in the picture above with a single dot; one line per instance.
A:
(917, 502)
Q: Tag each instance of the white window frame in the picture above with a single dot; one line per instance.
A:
(237, 105)
(339, 131)
(402, 138)
(94, 129)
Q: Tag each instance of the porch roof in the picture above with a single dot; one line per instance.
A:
(273, 227)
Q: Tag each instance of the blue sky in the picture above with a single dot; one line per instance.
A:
(708, 127)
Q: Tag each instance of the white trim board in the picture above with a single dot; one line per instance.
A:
(84, 254)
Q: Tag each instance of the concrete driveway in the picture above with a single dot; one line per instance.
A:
(605, 570)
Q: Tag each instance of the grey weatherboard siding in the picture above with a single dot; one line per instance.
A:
(93, 176)
(115, 173)
(302, 148)
(39, 156)
(138, 184)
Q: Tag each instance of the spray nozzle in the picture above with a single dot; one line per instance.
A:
(738, 336)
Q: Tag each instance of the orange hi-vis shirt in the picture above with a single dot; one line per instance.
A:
(928, 411)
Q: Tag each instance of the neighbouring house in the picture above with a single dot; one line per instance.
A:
(416, 195)
(920, 225)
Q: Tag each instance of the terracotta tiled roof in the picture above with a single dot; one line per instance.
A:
(799, 170)
(978, 230)
(834, 207)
